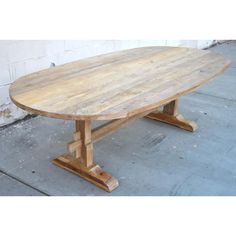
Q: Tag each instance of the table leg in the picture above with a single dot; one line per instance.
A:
(171, 116)
(80, 159)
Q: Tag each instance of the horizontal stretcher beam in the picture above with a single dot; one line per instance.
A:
(111, 126)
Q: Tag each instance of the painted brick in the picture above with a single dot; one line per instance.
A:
(90, 48)
(53, 49)
(55, 46)
(126, 44)
(17, 70)
(4, 95)
(174, 43)
(4, 52)
(5, 74)
(68, 56)
(33, 65)
(146, 43)
(100, 47)
(22, 68)
(188, 43)
(23, 50)
(204, 43)
(75, 45)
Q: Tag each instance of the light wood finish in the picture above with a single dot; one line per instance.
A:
(86, 142)
(108, 128)
(116, 85)
(171, 108)
(93, 174)
(80, 161)
(171, 116)
(121, 87)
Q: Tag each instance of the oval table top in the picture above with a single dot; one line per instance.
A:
(116, 85)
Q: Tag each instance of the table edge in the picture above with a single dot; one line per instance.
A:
(117, 115)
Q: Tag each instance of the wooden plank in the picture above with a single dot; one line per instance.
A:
(171, 108)
(77, 138)
(177, 120)
(178, 87)
(77, 135)
(93, 174)
(109, 127)
(87, 146)
(116, 85)
(84, 166)
(74, 145)
(171, 116)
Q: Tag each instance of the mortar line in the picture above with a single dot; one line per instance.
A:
(23, 182)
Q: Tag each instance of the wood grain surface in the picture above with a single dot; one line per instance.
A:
(116, 85)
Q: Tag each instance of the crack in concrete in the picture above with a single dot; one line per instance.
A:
(22, 182)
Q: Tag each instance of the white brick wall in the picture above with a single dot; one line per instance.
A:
(18, 58)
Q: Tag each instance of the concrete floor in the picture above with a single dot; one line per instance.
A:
(148, 157)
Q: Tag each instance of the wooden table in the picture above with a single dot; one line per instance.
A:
(121, 86)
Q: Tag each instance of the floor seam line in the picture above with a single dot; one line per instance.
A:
(22, 182)
(210, 95)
